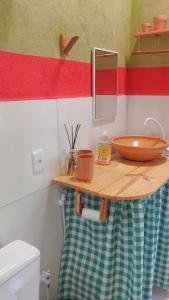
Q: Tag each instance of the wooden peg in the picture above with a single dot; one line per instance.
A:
(104, 210)
(66, 46)
(77, 203)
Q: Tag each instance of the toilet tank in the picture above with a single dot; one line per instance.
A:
(19, 272)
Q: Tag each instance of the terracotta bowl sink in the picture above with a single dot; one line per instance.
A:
(138, 147)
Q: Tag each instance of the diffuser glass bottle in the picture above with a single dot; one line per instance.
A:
(71, 168)
(72, 137)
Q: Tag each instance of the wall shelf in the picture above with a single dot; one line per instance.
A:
(150, 51)
(150, 34)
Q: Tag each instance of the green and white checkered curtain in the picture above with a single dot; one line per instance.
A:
(119, 259)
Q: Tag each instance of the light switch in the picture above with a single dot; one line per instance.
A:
(38, 159)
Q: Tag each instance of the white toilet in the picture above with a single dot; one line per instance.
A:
(19, 272)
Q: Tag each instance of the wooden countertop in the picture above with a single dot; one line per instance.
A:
(123, 179)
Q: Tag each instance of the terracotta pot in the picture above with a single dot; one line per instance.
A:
(84, 151)
(85, 166)
(160, 22)
(146, 27)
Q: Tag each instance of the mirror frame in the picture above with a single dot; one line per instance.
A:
(94, 81)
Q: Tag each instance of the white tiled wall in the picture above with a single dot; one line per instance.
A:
(25, 126)
(36, 219)
(28, 203)
(141, 107)
(73, 111)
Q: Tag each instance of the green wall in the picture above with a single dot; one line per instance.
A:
(33, 26)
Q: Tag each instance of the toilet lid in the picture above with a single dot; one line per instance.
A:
(6, 295)
(14, 257)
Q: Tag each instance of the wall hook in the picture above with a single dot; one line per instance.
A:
(66, 46)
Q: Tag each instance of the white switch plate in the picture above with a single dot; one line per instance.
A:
(38, 160)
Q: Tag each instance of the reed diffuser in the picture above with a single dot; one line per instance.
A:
(72, 137)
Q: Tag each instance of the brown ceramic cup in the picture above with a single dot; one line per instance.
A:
(160, 22)
(84, 151)
(146, 27)
(85, 165)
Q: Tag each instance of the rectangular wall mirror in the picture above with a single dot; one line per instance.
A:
(105, 80)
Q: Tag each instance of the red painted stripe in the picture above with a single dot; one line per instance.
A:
(122, 78)
(136, 81)
(148, 81)
(31, 77)
(106, 82)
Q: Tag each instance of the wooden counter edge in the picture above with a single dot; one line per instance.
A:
(106, 196)
(100, 193)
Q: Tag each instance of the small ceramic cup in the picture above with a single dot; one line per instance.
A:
(146, 27)
(85, 166)
(160, 22)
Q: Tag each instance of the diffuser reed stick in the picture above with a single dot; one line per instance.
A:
(67, 135)
(72, 137)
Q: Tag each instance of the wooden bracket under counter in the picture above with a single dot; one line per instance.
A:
(123, 179)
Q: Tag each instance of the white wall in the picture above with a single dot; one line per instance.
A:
(141, 107)
(25, 126)
(28, 204)
(28, 209)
